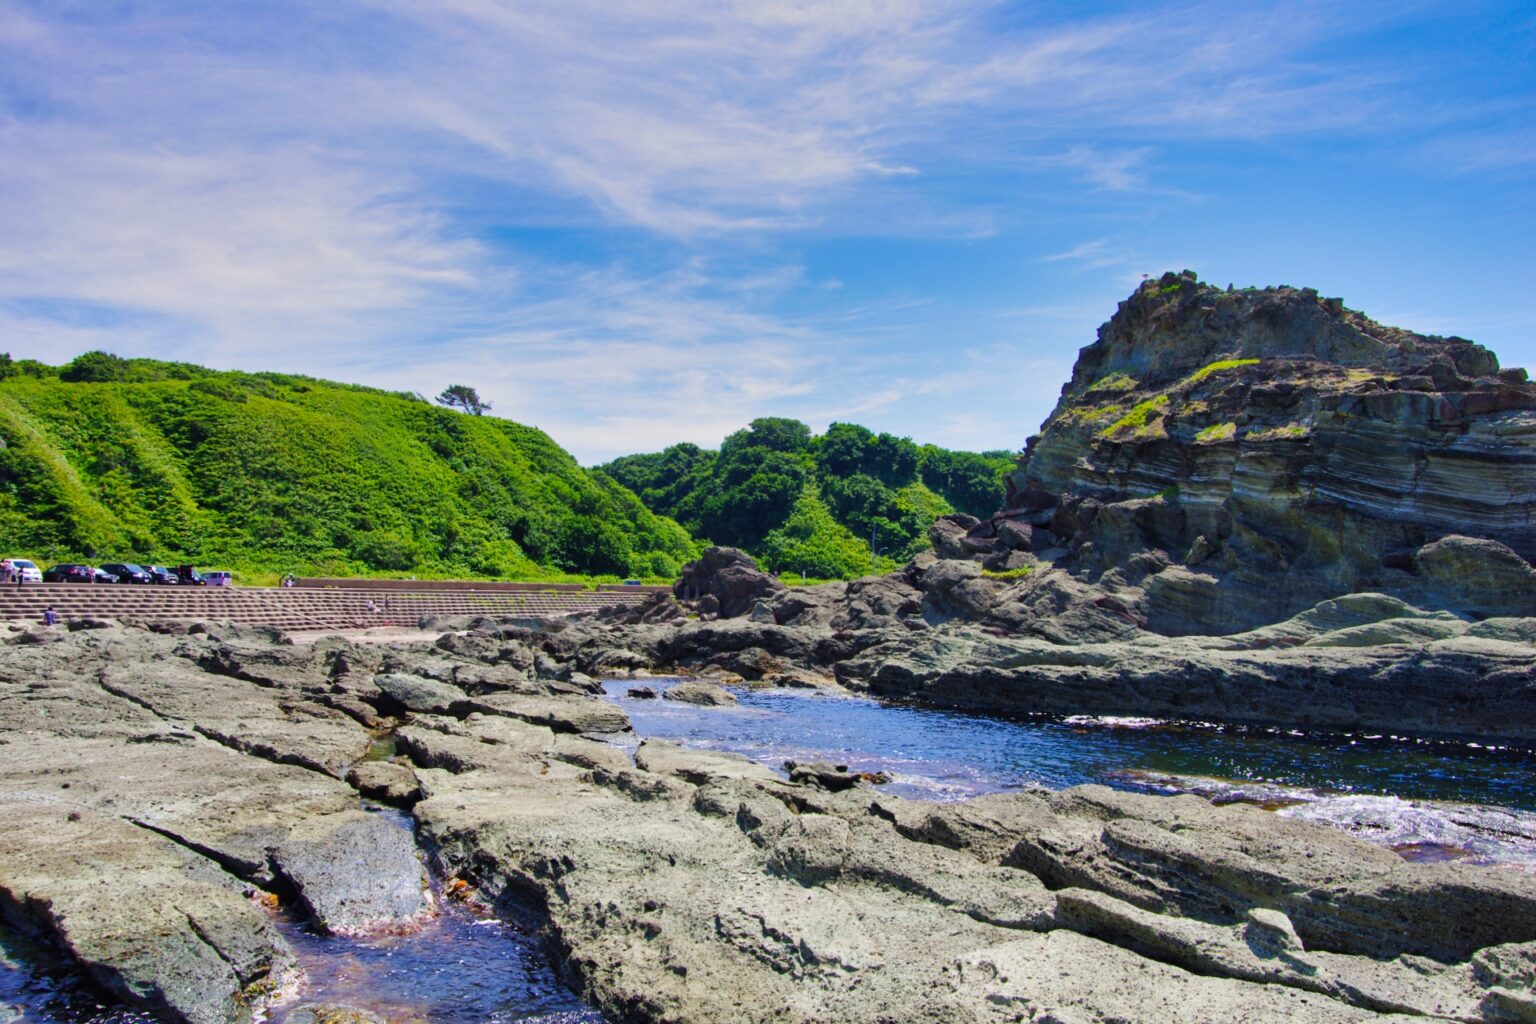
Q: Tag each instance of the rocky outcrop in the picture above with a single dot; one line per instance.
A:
(1364, 662)
(1284, 450)
(701, 693)
(155, 790)
(1051, 642)
(725, 582)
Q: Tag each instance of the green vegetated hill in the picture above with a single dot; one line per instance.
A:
(804, 502)
(142, 460)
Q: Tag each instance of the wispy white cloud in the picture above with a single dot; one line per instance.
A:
(214, 235)
(1117, 171)
(340, 188)
(1096, 253)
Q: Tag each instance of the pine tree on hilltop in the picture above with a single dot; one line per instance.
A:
(461, 396)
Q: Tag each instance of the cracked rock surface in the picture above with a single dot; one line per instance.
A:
(158, 782)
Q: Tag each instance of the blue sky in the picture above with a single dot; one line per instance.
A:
(634, 228)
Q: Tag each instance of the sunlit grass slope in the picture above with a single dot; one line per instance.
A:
(269, 473)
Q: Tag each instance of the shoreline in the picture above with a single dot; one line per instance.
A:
(154, 778)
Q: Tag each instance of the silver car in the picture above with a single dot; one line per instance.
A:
(30, 573)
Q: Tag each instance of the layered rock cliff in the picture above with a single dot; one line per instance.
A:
(1225, 459)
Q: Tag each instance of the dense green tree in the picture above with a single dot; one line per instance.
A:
(772, 432)
(96, 367)
(971, 481)
(843, 449)
(812, 543)
(668, 479)
(754, 490)
(876, 488)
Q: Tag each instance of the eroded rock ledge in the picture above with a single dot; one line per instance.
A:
(158, 785)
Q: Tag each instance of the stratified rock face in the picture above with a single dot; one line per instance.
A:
(1291, 448)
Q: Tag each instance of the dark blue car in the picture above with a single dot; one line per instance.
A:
(127, 572)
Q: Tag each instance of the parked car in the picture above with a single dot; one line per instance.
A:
(69, 572)
(30, 573)
(219, 578)
(187, 574)
(127, 572)
(102, 576)
(160, 574)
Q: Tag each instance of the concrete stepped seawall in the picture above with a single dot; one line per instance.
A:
(297, 608)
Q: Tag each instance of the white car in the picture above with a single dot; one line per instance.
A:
(30, 573)
(219, 578)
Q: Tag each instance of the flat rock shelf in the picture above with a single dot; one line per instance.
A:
(1422, 798)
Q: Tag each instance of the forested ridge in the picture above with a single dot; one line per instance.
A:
(142, 460)
(822, 504)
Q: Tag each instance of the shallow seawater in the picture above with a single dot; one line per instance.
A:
(464, 966)
(460, 968)
(36, 989)
(1433, 799)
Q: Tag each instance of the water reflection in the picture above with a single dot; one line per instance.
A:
(1475, 800)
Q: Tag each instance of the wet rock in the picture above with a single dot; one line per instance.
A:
(414, 693)
(1420, 673)
(155, 924)
(699, 643)
(697, 888)
(354, 873)
(1062, 609)
(386, 781)
(1479, 575)
(640, 693)
(694, 886)
(699, 767)
(1183, 855)
(1016, 535)
(332, 1013)
(834, 778)
(475, 743)
(264, 721)
(703, 694)
(949, 534)
(957, 589)
(586, 753)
